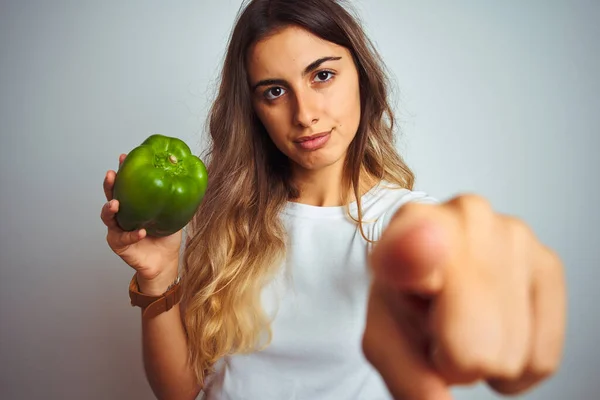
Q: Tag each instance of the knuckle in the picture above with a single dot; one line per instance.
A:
(473, 208)
(132, 237)
(473, 202)
(110, 240)
(104, 218)
(518, 230)
(544, 367)
(113, 239)
(512, 369)
(553, 260)
(462, 367)
(475, 365)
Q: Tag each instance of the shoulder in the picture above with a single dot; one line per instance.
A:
(386, 198)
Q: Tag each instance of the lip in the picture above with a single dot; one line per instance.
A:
(311, 137)
(313, 142)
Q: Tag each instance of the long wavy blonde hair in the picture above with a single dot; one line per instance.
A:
(236, 241)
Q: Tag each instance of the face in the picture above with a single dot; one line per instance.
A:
(306, 93)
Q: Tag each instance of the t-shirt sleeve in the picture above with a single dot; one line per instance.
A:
(410, 197)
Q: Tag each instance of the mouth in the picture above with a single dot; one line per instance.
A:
(313, 142)
(311, 137)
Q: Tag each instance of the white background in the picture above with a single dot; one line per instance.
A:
(496, 98)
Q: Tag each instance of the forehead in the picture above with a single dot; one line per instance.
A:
(287, 51)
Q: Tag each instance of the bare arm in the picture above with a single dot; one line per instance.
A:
(165, 353)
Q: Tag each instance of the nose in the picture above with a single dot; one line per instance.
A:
(306, 113)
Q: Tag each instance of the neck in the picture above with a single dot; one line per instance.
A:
(323, 188)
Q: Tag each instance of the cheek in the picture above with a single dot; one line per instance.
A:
(347, 108)
(272, 121)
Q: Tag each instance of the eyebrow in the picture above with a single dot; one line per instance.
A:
(310, 68)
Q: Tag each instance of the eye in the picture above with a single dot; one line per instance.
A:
(324, 76)
(273, 93)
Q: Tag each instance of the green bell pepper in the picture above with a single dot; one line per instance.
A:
(159, 186)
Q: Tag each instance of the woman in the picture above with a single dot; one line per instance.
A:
(306, 191)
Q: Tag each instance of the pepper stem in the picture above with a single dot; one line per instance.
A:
(173, 159)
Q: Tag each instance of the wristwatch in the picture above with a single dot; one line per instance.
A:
(154, 305)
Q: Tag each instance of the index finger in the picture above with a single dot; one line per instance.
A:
(108, 184)
(109, 179)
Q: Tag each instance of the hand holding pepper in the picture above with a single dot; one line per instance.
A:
(154, 194)
(155, 259)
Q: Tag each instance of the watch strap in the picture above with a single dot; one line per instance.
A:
(154, 305)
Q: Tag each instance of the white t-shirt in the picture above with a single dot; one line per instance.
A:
(318, 306)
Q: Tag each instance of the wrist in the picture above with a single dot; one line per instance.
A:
(159, 284)
(157, 298)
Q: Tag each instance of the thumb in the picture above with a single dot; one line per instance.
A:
(415, 248)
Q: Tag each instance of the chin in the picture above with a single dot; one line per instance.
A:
(315, 161)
